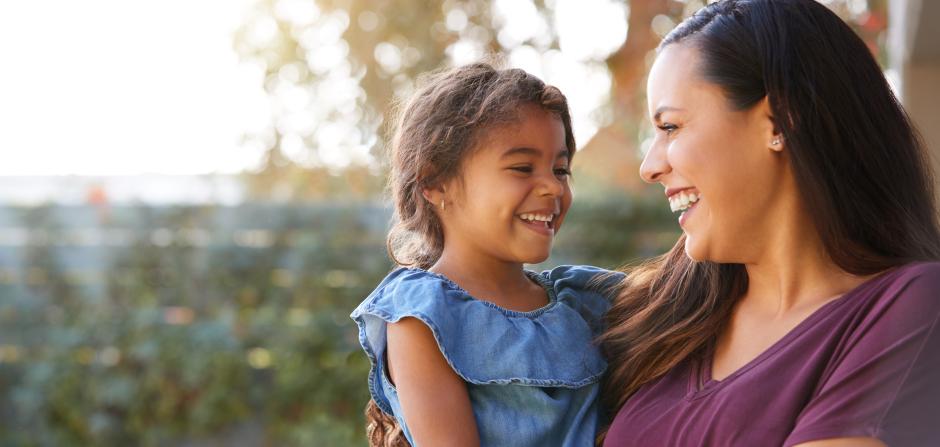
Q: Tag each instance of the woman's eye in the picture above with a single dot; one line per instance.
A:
(525, 169)
(668, 128)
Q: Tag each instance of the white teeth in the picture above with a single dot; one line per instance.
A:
(537, 217)
(682, 202)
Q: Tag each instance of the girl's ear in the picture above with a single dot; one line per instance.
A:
(434, 196)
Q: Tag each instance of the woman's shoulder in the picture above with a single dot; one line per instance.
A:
(928, 271)
(899, 301)
(915, 286)
(916, 279)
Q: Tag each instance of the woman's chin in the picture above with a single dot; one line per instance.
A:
(694, 251)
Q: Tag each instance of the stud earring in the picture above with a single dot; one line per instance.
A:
(776, 141)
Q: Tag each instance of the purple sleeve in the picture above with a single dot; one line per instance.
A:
(885, 383)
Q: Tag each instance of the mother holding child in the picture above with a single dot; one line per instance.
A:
(799, 307)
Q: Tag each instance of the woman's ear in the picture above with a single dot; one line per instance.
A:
(771, 130)
(776, 143)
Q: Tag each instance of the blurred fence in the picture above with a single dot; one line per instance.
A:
(136, 325)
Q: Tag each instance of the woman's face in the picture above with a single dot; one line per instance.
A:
(719, 167)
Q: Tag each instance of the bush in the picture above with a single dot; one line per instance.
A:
(214, 325)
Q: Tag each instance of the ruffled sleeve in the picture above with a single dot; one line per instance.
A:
(485, 344)
(587, 289)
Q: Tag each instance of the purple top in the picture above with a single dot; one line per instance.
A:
(866, 364)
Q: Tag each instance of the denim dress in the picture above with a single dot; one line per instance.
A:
(532, 377)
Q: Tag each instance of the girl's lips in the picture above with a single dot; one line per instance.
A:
(538, 227)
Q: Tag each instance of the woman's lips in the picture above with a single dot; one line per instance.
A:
(684, 217)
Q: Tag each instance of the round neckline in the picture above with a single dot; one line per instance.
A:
(545, 283)
(702, 382)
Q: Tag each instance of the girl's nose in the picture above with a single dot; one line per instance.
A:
(553, 186)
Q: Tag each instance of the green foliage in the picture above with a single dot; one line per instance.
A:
(214, 325)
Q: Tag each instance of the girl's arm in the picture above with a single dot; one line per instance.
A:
(434, 399)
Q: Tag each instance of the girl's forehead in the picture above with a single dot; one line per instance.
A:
(531, 135)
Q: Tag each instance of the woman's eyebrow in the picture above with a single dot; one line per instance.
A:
(662, 109)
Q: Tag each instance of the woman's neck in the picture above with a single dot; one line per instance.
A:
(795, 271)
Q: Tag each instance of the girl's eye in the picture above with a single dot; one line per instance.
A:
(525, 169)
(562, 172)
(668, 128)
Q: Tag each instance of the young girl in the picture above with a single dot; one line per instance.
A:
(467, 347)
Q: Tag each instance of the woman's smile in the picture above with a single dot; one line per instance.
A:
(683, 200)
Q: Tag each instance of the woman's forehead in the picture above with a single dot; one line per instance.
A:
(675, 82)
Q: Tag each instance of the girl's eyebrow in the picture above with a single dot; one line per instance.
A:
(521, 151)
(532, 151)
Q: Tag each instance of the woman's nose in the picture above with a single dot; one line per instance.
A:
(654, 164)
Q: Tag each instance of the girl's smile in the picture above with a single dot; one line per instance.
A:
(513, 193)
(540, 221)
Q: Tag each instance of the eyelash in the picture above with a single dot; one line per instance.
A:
(528, 170)
(668, 128)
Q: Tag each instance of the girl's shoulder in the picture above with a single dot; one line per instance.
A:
(408, 290)
(583, 276)
(584, 287)
(486, 344)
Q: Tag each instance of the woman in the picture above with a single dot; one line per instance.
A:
(800, 306)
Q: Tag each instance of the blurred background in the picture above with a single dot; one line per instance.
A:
(191, 193)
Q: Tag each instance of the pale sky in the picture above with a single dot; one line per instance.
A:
(128, 87)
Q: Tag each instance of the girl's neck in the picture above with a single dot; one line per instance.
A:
(490, 278)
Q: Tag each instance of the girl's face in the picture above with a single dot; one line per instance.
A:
(512, 195)
(725, 159)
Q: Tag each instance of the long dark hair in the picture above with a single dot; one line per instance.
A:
(437, 129)
(860, 167)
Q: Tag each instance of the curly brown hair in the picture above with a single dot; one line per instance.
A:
(436, 130)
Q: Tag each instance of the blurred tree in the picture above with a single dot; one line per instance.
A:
(606, 157)
(334, 69)
(346, 61)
